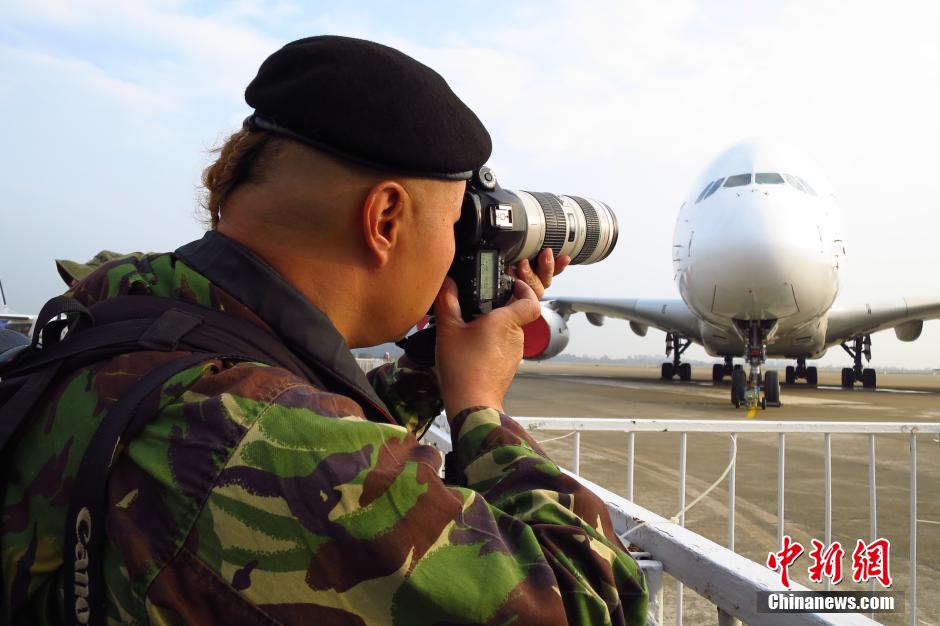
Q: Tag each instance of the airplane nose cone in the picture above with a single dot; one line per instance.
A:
(754, 251)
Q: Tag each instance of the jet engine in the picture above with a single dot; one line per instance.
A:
(545, 337)
(909, 331)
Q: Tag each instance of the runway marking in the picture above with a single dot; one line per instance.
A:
(752, 412)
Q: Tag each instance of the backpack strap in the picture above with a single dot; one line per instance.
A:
(191, 327)
(49, 327)
(83, 550)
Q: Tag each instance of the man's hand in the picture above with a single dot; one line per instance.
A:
(477, 361)
(547, 266)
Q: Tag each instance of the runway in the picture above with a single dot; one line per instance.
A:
(583, 390)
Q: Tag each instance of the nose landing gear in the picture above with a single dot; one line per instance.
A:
(867, 376)
(753, 389)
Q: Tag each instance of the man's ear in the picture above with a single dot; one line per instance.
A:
(382, 213)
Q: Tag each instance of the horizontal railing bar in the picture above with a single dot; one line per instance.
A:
(724, 426)
(725, 578)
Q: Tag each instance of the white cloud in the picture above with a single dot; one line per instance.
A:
(185, 54)
(142, 98)
(624, 101)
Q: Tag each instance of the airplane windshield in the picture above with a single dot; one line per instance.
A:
(806, 185)
(704, 191)
(768, 178)
(738, 180)
(800, 184)
(793, 180)
(709, 190)
(714, 187)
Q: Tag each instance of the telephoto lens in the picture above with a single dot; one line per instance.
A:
(584, 229)
(499, 227)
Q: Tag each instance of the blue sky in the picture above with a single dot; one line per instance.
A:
(111, 109)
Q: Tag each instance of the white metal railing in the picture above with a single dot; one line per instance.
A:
(729, 580)
(733, 428)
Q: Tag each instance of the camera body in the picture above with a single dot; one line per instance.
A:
(488, 232)
(498, 228)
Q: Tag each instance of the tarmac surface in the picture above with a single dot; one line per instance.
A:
(585, 390)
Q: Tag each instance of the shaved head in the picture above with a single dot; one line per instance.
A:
(369, 248)
(304, 195)
(299, 195)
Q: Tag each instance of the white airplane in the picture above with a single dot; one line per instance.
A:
(756, 256)
(14, 327)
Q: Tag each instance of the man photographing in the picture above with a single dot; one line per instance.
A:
(254, 493)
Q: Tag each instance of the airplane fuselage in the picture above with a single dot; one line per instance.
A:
(760, 239)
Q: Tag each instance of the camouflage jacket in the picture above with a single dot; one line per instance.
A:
(253, 497)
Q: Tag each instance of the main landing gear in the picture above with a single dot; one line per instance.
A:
(809, 374)
(753, 389)
(861, 346)
(676, 346)
(719, 370)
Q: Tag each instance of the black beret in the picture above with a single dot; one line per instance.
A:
(368, 103)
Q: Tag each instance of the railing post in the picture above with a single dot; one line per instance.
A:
(577, 453)
(827, 488)
(781, 483)
(912, 585)
(683, 441)
(631, 440)
(872, 500)
(731, 486)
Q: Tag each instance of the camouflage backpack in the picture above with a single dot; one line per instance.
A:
(68, 336)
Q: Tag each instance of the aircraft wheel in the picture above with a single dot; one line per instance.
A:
(738, 366)
(869, 378)
(738, 387)
(685, 372)
(848, 377)
(668, 371)
(812, 376)
(772, 388)
(790, 375)
(718, 373)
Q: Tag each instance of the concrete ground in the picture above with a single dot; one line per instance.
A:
(586, 390)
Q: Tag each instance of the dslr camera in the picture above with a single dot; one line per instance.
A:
(499, 227)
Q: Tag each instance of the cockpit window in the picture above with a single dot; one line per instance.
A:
(800, 184)
(704, 191)
(738, 180)
(806, 185)
(714, 187)
(793, 180)
(768, 178)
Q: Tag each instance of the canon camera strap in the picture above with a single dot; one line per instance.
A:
(84, 585)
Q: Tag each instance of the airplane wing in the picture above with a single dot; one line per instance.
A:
(666, 315)
(905, 315)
